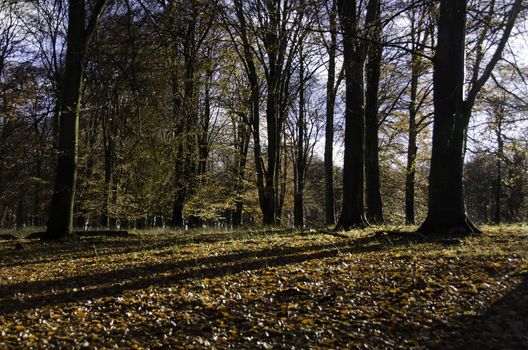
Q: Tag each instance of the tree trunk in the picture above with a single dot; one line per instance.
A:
(353, 210)
(241, 147)
(36, 192)
(372, 171)
(177, 212)
(498, 179)
(203, 141)
(298, 212)
(329, 128)
(446, 212)
(273, 149)
(412, 148)
(410, 174)
(60, 220)
(20, 214)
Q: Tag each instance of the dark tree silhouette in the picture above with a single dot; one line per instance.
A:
(355, 51)
(80, 32)
(452, 112)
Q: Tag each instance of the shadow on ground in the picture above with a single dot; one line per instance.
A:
(503, 325)
(114, 282)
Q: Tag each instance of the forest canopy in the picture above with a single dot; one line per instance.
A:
(185, 113)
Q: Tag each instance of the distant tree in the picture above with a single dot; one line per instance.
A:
(266, 35)
(333, 82)
(303, 127)
(420, 36)
(484, 196)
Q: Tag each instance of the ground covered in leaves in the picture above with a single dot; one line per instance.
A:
(267, 290)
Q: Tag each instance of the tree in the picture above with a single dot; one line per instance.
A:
(355, 50)
(80, 32)
(452, 112)
(419, 37)
(332, 85)
(373, 71)
(303, 128)
(266, 35)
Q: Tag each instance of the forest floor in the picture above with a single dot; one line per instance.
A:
(266, 290)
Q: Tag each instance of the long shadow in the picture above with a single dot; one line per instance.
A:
(113, 283)
(504, 325)
(49, 252)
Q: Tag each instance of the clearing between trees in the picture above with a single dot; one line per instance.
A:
(266, 289)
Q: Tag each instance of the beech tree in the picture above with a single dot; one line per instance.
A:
(421, 32)
(452, 112)
(373, 71)
(82, 23)
(266, 35)
(332, 84)
(355, 48)
(209, 112)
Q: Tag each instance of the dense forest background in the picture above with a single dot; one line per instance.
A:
(232, 113)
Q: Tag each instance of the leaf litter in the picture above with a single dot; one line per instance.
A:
(271, 291)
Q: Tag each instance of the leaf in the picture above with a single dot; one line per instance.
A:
(307, 321)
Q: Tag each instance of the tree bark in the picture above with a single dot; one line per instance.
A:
(446, 212)
(330, 110)
(372, 172)
(242, 147)
(298, 212)
(412, 148)
(60, 220)
(355, 48)
(498, 179)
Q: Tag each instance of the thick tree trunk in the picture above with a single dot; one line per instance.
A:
(446, 213)
(353, 210)
(60, 220)
(372, 171)
(177, 212)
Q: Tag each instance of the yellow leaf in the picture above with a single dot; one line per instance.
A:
(80, 313)
(470, 313)
(307, 321)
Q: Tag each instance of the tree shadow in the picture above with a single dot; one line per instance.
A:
(90, 245)
(35, 294)
(504, 325)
